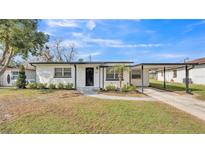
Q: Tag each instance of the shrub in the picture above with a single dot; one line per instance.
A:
(32, 85)
(131, 88)
(110, 87)
(60, 86)
(127, 88)
(52, 86)
(41, 86)
(21, 79)
(69, 86)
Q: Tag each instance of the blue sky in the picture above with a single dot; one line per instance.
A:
(136, 40)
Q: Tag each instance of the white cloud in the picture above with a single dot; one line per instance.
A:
(113, 43)
(192, 26)
(49, 33)
(166, 55)
(62, 23)
(90, 25)
(75, 34)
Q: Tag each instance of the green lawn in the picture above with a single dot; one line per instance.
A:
(198, 90)
(61, 111)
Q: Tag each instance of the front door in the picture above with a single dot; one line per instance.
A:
(89, 76)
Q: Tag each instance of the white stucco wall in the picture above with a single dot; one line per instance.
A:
(196, 74)
(45, 74)
(116, 83)
(126, 77)
(138, 82)
(30, 77)
(81, 75)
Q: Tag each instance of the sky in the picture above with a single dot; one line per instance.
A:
(133, 40)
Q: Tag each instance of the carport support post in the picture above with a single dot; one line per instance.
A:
(187, 78)
(164, 78)
(142, 78)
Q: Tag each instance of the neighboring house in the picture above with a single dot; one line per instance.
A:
(87, 74)
(196, 74)
(9, 77)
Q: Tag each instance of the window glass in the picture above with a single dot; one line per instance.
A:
(62, 73)
(67, 72)
(112, 74)
(136, 74)
(58, 72)
(14, 75)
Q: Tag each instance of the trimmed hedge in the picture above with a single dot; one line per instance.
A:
(68, 86)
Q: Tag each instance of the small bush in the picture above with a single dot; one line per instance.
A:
(32, 85)
(41, 86)
(69, 86)
(127, 88)
(110, 87)
(60, 86)
(21, 79)
(52, 86)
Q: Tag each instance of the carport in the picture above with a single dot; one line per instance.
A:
(163, 67)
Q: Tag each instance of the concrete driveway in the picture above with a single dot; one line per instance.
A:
(183, 102)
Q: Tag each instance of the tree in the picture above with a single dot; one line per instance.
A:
(19, 37)
(80, 60)
(120, 69)
(69, 57)
(21, 79)
(58, 49)
(45, 55)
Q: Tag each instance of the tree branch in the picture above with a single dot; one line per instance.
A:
(6, 60)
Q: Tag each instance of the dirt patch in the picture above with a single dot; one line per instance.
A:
(118, 93)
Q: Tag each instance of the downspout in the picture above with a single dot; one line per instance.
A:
(75, 76)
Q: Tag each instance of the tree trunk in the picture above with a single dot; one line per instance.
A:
(5, 60)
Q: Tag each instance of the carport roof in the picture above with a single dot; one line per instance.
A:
(159, 66)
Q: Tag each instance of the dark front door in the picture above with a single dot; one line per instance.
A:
(89, 76)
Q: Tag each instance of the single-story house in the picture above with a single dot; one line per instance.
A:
(99, 74)
(88, 74)
(9, 77)
(196, 73)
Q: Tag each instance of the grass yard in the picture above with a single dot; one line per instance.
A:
(197, 90)
(61, 111)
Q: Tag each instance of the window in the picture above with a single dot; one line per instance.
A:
(162, 73)
(14, 75)
(136, 74)
(62, 73)
(174, 73)
(67, 72)
(112, 74)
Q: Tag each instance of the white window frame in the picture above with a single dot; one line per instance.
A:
(63, 72)
(115, 74)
